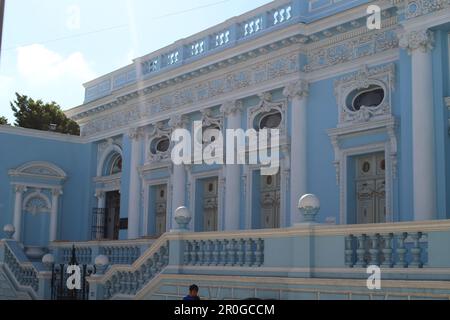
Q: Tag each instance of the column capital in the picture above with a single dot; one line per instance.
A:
(296, 89)
(20, 188)
(135, 133)
(178, 121)
(417, 39)
(56, 192)
(231, 107)
(100, 194)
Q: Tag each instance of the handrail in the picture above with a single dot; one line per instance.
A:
(24, 273)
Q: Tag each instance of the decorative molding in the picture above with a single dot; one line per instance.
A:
(178, 121)
(234, 81)
(381, 76)
(38, 170)
(341, 155)
(296, 89)
(37, 202)
(413, 40)
(135, 133)
(361, 46)
(416, 8)
(231, 107)
(20, 188)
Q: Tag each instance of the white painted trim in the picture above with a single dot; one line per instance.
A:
(193, 177)
(105, 154)
(362, 150)
(32, 133)
(59, 174)
(146, 185)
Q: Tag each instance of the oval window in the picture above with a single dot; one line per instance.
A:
(163, 145)
(270, 121)
(370, 98)
(160, 145)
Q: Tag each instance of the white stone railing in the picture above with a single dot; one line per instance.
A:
(223, 35)
(23, 271)
(118, 252)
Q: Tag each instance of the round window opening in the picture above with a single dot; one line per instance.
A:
(163, 145)
(270, 121)
(371, 98)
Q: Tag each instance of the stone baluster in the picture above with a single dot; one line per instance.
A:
(349, 252)
(361, 251)
(416, 251)
(231, 253)
(240, 252)
(375, 250)
(194, 253)
(401, 251)
(107, 290)
(387, 250)
(259, 253)
(224, 253)
(187, 252)
(201, 253)
(216, 252)
(249, 252)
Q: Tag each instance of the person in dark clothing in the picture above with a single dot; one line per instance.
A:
(193, 293)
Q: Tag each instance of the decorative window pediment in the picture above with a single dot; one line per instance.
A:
(159, 142)
(211, 127)
(39, 170)
(365, 95)
(269, 115)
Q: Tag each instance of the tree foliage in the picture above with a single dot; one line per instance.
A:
(3, 121)
(35, 114)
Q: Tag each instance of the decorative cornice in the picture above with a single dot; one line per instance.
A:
(231, 107)
(178, 121)
(297, 89)
(413, 40)
(135, 133)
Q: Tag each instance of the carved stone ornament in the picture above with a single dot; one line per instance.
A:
(381, 77)
(413, 40)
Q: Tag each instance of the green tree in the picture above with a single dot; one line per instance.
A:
(3, 121)
(35, 114)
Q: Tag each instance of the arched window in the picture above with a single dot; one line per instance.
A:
(113, 164)
(116, 166)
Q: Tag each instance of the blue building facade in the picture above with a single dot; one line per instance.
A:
(364, 125)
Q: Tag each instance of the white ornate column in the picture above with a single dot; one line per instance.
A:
(56, 193)
(419, 45)
(19, 190)
(233, 113)
(135, 136)
(100, 219)
(178, 178)
(297, 92)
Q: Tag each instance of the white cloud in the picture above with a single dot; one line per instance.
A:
(39, 65)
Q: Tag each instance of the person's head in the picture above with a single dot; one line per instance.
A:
(193, 290)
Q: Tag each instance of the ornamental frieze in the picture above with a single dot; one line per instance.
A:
(351, 49)
(231, 82)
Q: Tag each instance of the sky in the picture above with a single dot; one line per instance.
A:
(51, 47)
